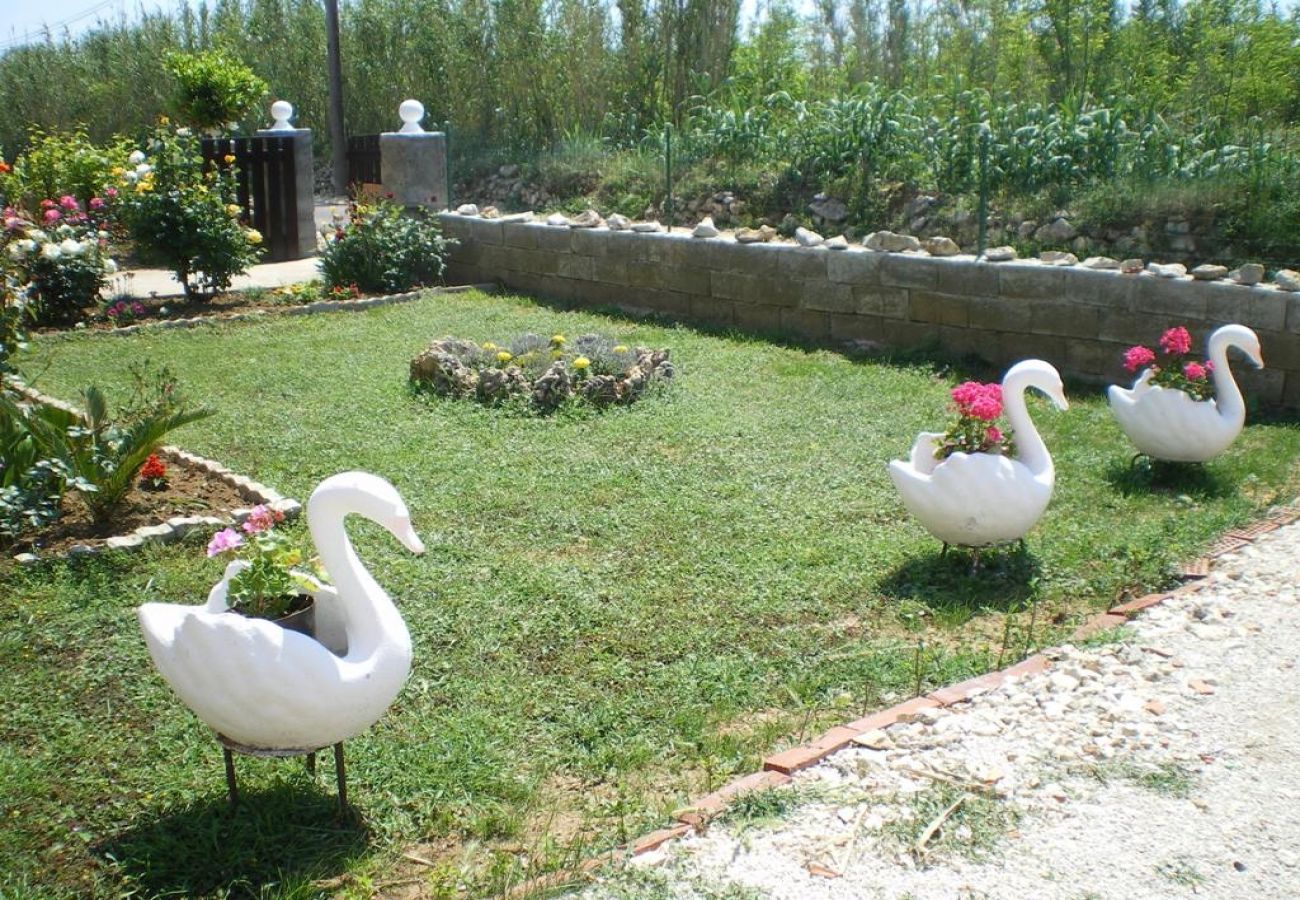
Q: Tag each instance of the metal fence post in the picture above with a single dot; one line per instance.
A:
(668, 173)
(984, 188)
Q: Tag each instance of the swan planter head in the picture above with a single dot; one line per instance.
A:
(1168, 424)
(269, 689)
(983, 499)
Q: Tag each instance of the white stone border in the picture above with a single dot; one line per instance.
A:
(320, 306)
(175, 527)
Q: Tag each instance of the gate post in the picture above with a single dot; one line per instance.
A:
(413, 162)
(304, 173)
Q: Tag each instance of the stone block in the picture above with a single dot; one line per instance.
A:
(1291, 391)
(521, 234)
(968, 277)
(962, 341)
(552, 239)
(909, 335)
(1092, 359)
(828, 297)
(881, 300)
(573, 266)
(757, 318)
(753, 289)
(799, 263)
(1063, 318)
(1292, 302)
(939, 309)
(855, 327)
(1129, 328)
(998, 314)
(807, 323)
(1103, 288)
(590, 241)
(1030, 280)
(712, 311)
(854, 267)
(686, 279)
(1179, 299)
(535, 262)
(414, 168)
(1261, 387)
(903, 270)
(609, 270)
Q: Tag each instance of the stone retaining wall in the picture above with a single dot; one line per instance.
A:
(1081, 320)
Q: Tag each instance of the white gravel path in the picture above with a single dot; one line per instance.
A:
(1164, 766)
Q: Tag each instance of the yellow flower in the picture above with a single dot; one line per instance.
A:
(489, 346)
(163, 120)
(143, 186)
(557, 354)
(254, 236)
(558, 340)
(118, 171)
(581, 362)
(232, 209)
(229, 158)
(621, 348)
(504, 356)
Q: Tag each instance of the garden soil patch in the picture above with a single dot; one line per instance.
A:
(190, 492)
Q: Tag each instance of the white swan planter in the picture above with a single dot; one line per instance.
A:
(1166, 424)
(266, 689)
(981, 499)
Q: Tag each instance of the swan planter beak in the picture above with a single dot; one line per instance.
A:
(983, 499)
(1166, 424)
(267, 689)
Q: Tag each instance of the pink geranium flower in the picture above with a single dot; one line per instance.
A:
(1176, 341)
(261, 518)
(1195, 371)
(1138, 357)
(994, 434)
(223, 540)
(986, 408)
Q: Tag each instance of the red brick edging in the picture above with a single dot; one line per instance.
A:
(779, 768)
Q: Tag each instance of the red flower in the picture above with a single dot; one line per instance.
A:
(1176, 341)
(1137, 357)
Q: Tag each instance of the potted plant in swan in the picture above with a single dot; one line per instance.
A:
(1181, 409)
(262, 581)
(977, 484)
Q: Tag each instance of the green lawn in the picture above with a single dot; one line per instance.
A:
(616, 611)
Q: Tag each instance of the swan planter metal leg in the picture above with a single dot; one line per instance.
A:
(1166, 424)
(271, 692)
(984, 499)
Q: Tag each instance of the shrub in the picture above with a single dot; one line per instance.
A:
(61, 266)
(31, 482)
(183, 216)
(213, 91)
(382, 248)
(60, 164)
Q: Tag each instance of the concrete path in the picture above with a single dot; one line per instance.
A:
(144, 283)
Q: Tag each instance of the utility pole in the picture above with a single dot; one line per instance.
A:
(338, 137)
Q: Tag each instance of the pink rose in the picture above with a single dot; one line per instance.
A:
(53, 215)
(1176, 341)
(1137, 357)
(69, 202)
(96, 202)
(110, 193)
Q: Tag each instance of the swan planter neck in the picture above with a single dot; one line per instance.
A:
(1167, 424)
(269, 691)
(983, 499)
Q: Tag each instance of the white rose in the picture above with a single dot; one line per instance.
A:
(16, 251)
(51, 251)
(28, 245)
(136, 158)
(39, 235)
(130, 177)
(70, 247)
(143, 169)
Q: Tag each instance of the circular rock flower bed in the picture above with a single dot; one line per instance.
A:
(540, 371)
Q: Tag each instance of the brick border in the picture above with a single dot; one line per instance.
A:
(175, 527)
(307, 309)
(779, 768)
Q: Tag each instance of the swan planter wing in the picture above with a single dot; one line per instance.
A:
(267, 689)
(982, 499)
(1167, 424)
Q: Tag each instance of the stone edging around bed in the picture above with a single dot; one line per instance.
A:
(321, 306)
(175, 527)
(779, 768)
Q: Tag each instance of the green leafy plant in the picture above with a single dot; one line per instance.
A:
(31, 482)
(382, 248)
(102, 453)
(267, 585)
(183, 215)
(60, 164)
(214, 91)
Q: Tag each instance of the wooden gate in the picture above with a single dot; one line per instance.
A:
(364, 160)
(267, 186)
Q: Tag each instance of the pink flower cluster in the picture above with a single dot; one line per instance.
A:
(1176, 341)
(262, 518)
(979, 401)
(1197, 372)
(223, 540)
(1138, 357)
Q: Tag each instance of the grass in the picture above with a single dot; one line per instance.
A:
(616, 611)
(1168, 779)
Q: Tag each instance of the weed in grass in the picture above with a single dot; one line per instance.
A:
(1181, 871)
(762, 806)
(973, 828)
(1169, 779)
